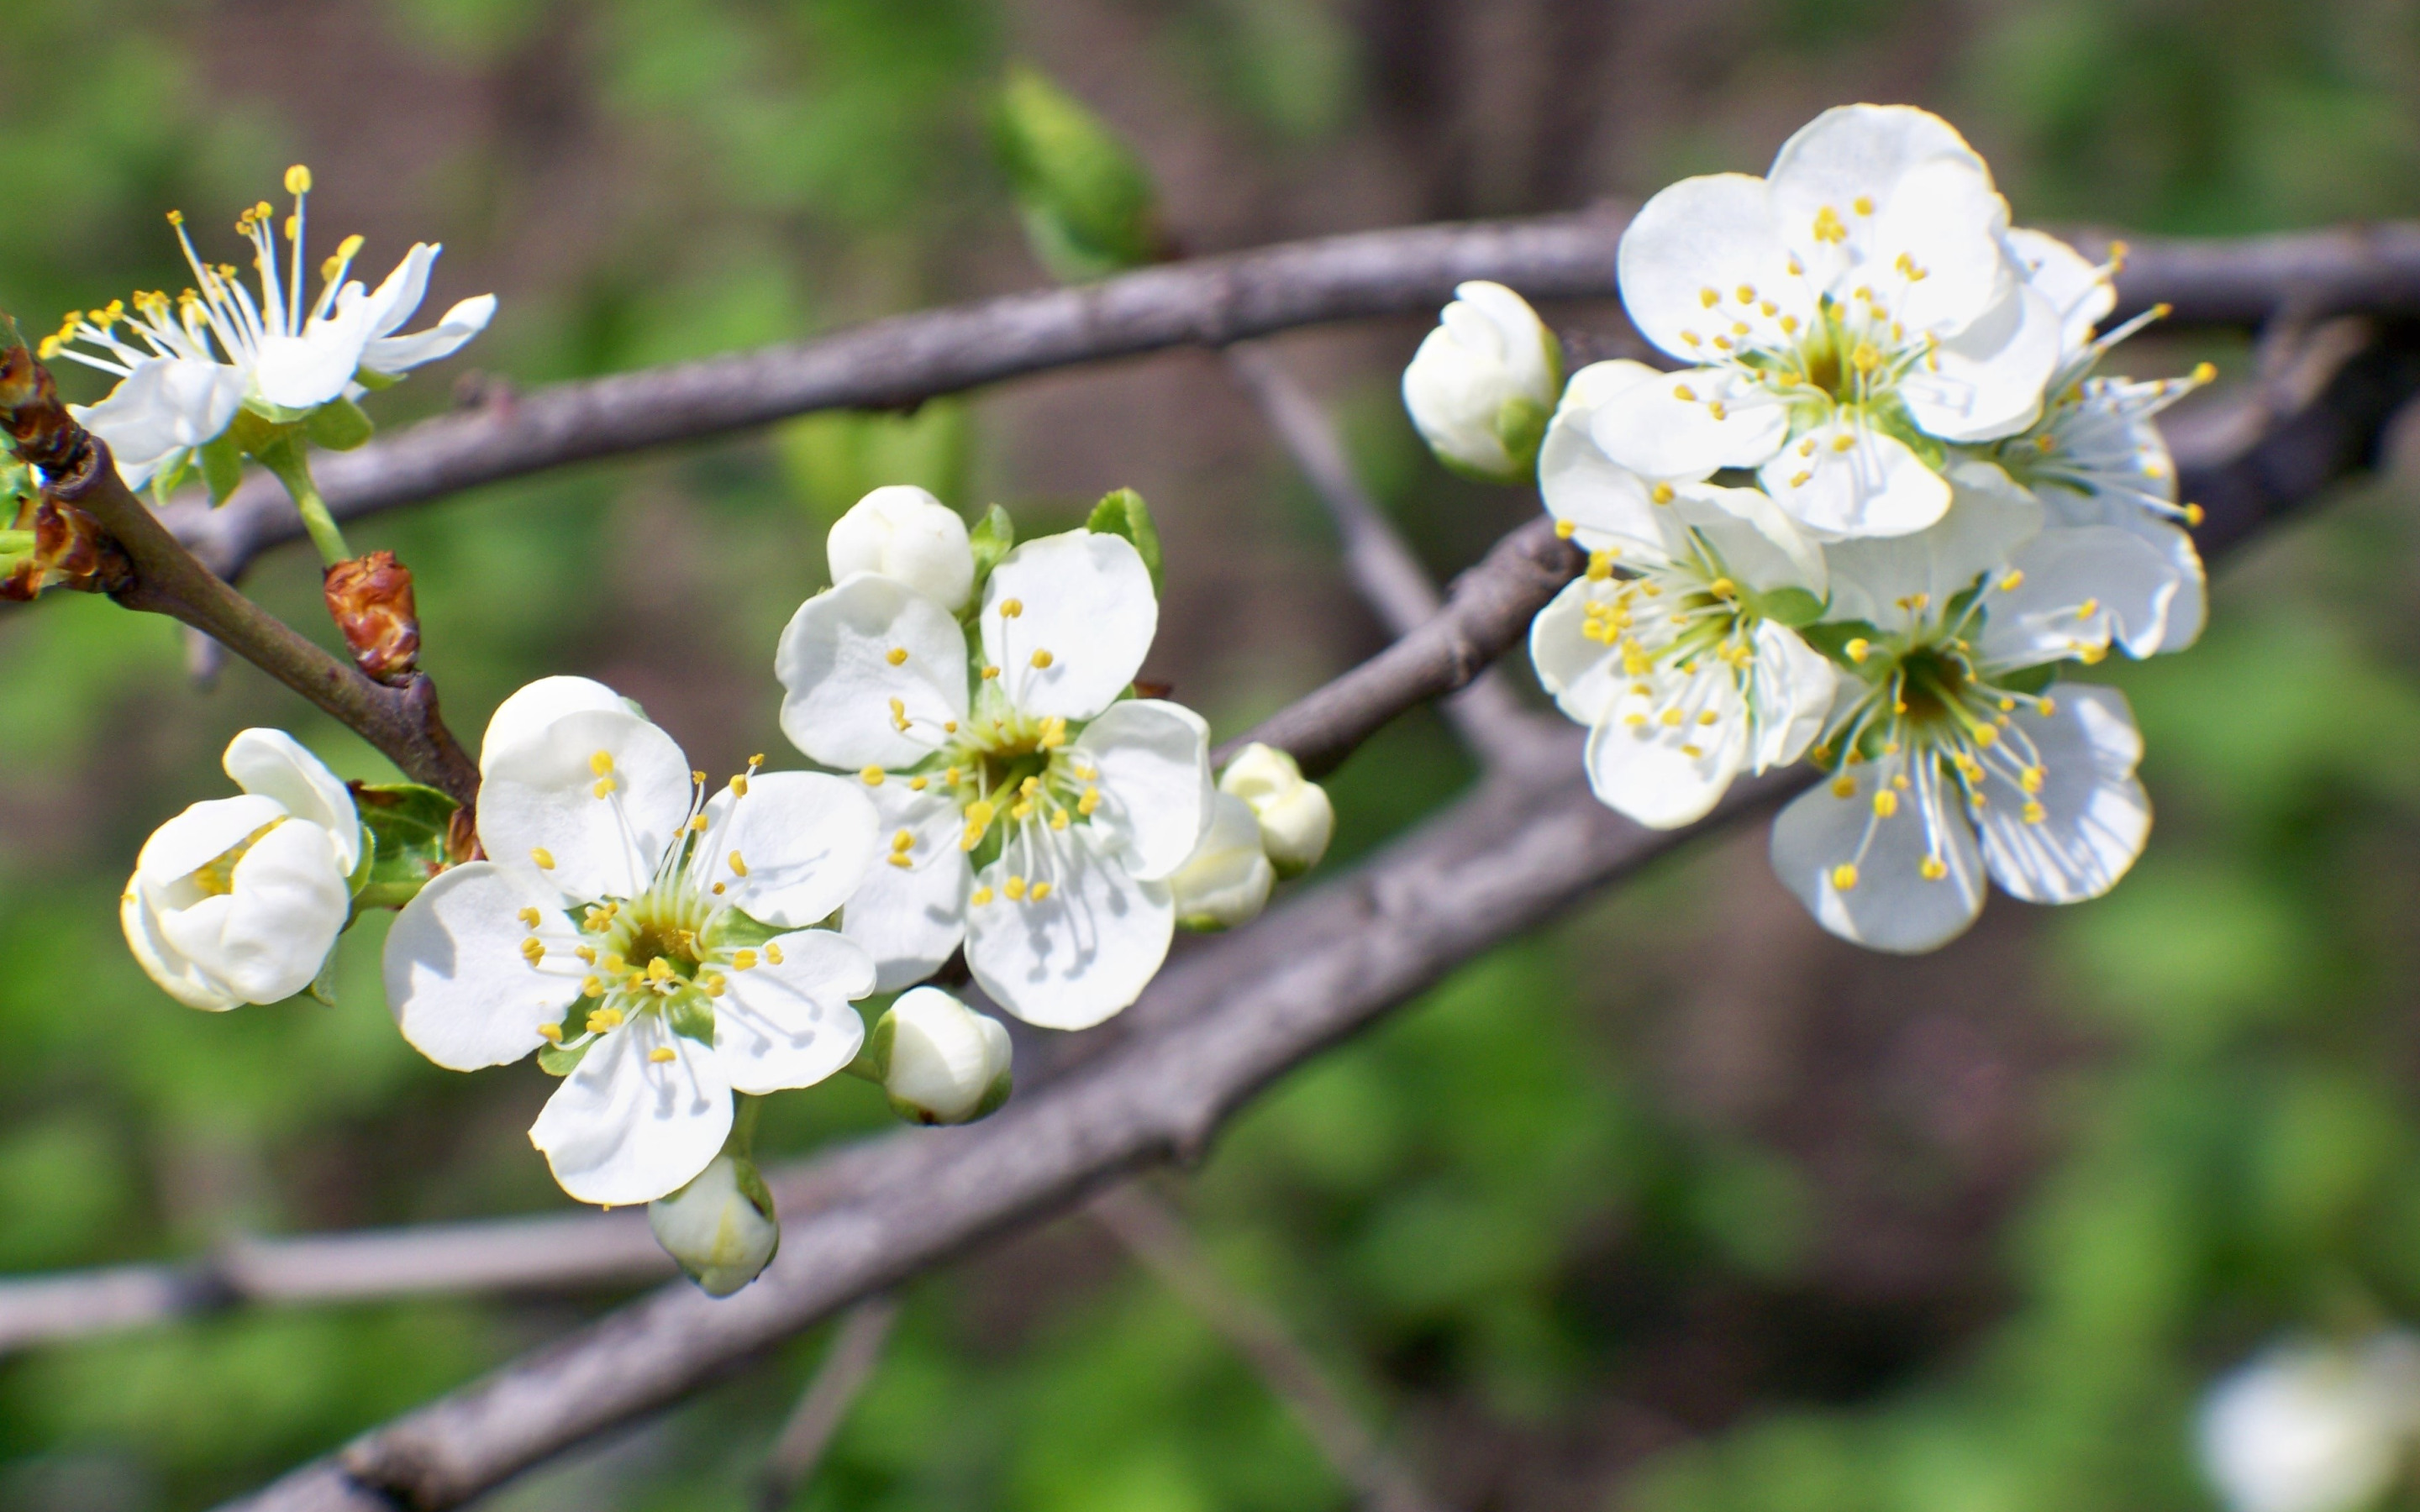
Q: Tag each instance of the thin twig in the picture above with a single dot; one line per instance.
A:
(1159, 1239)
(856, 1348)
(1488, 714)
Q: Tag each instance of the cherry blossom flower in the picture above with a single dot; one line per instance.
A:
(654, 938)
(1482, 384)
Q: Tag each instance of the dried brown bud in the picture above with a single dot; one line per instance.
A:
(44, 433)
(371, 600)
(70, 550)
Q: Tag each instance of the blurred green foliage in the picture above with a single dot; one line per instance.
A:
(1491, 1218)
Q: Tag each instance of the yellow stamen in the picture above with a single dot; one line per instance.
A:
(871, 776)
(663, 1055)
(1844, 876)
(542, 858)
(738, 867)
(897, 655)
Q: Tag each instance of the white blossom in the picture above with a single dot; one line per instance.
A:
(1482, 385)
(942, 1061)
(188, 363)
(1847, 315)
(1081, 802)
(907, 534)
(1669, 647)
(655, 936)
(1226, 881)
(1296, 818)
(1948, 761)
(2312, 1426)
(720, 1226)
(239, 900)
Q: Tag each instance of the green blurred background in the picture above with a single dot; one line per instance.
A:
(1680, 1206)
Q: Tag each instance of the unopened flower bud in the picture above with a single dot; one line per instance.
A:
(371, 600)
(1483, 384)
(904, 534)
(2313, 1427)
(1226, 882)
(1296, 818)
(940, 1060)
(720, 1226)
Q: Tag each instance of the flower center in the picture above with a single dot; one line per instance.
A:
(215, 877)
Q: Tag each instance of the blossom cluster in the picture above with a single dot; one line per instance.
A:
(1885, 504)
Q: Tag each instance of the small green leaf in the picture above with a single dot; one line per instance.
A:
(1124, 513)
(340, 425)
(323, 986)
(1792, 606)
(221, 466)
(991, 538)
(406, 825)
(733, 930)
(558, 1061)
(872, 1062)
(1088, 201)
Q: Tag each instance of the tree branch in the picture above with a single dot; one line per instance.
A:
(1487, 714)
(1204, 302)
(1213, 1029)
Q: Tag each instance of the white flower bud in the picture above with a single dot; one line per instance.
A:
(1296, 819)
(1226, 881)
(941, 1061)
(2313, 1427)
(1483, 384)
(907, 534)
(239, 900)
(720, 1226)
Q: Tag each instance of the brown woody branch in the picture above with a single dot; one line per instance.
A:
(1204, 302)
(1213, 1030)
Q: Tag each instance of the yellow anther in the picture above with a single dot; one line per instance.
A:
(660, 969)
(1564, 528)
(1710, 716)
(1866, 358)
(1011, 608)
(298, 179)
(1693, 338)
(774, 954)
(613, 964)
(2193, 515)
(2204, 372)
(904, 840)
(871, 776)
(918, 785)
(1054, 734)
(542, 858)
(1012, 890)
(2034, 813)
(2162, 310)
(1723, 588)
(697, 824)
(592, 985)
(600, 1020)
(1709, 297)
(1058, 818)
(1828, 226)
(663, 1055)
(2087, 608)
(529, 917)
(1789, 325)
(1671, 717)
(738, 867)
(990, 673)
(1041, 891)
(756, 760)
(1715, 408)
(1022, 810)
(1859, 648)
(1684, 394)
(1844, 441)
(1886, 803)
(1767, 307)
(1041, 659)
(1746, 294)
(898, 715)
(604, 787)
(1633, 720)
(532, 951)
(2009, 583)
(585, 953)
(1600, 566)
(739, 784)
(2030, 779)
(550, 1033)
(1844, 786)
(1661, 493)
(1090, 801)
(1693, 753)
(1844, 876)
(715, 983)
(896, 656)
(901, 859)
(1863, 204)
(601, 762)
(980, 897)
(1800, 480)
(1931, 869)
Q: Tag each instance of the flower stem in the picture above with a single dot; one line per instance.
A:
(285, 459)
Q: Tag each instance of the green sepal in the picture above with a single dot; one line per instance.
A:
(171, 478)
(406, 825)
(992, 537)
(323, 986)
(1521, 426)
(691, 1014)
(1124, 513)
(1832, 637)
(1893, 420)
(222, 463)
(376, 382)
(736, 930)
(559, 1060)
(872, 1062)
(988, 850)
(2028, 680)
(1088, 201)
(1793, 607)
(339, 425)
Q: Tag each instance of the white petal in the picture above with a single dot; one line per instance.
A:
(1989, 379)
(624, 1129)
(200, 835)
(1877, 579)
(911, 918)
(1688, 423)
(1703, 235)
(1082, 954)
(521, 720)
(1605, 501)
(2076, 590)
(1154, 758)
(2081, 293)
(1227, 879)
(1926, 193)
(1584, 676)
(2096, 817)
(1755, 542)
(306, 371)
(400, 292)
(402, 354)
(1891, 905)
(806, 837)
(904, 534)
(456, 978)
(1789, 693)
(835, 663)
(1521, 341)
(273, 765)
(540, 803)
(267, 939)
(176, 975)
(1666, 772)
(789, 1024)
(163, 407)
(1087, 607)
(1848, 479)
